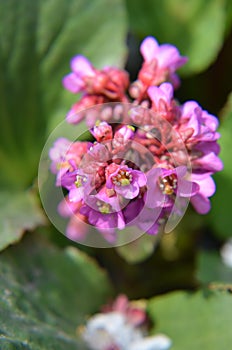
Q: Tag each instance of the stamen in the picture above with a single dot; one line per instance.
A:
(168, 184)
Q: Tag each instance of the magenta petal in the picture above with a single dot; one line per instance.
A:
(169, 57)
(76, 194)
(129, 192)
(155, 197)
(140, 178)
(188, 108)
(76, 229)
(200, 203)
(187, 188)
(81, 66)
(206, 183)
(210, 120)
(72, 83)
(148, 48)
(210, 162)
(156, 94)
(167, 88)
(74, 117)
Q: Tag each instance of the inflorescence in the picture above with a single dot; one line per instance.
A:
(150, 155)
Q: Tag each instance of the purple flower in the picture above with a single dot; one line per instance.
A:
(163, 184)
(200, 200)
(126, 181)
(122, 137)
(161, 95)
(58, 153)
(110, 82)
(202, 123)
(160, 62)
(82, 69)
(102, 131)
(163, 102)
(103, 212)
(166, 55)
(78, 184)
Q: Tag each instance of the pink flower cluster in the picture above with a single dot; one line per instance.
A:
(150, 153)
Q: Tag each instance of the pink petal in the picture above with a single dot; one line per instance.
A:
(72, 83)
(188, 108)
(81, 66)
(206, 183)
(168, 57)
(167, 88)
(200, 203)
(148, 48)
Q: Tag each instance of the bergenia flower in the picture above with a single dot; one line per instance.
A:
(126, 182)
(160, 62)
(113, 330)
(164, 184)
(150, 157)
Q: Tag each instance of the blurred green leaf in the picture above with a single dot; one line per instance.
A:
(45, 294)
(194, 321)
(220, 215)
(210, 268)
(37, 41)
(19, 212)
(138, 250)
(196, 27)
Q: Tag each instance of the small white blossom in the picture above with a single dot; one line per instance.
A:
(111, 329)
(226, 253)
(157, 342)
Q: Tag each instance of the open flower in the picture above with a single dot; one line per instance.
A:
(109, 81)
(114, 330)
(164, 184)
(160, 62)
(126, 181)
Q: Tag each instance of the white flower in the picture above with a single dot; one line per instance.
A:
(105, 330)
(226, 253)
(157, 342)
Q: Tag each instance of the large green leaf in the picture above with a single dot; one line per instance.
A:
(194, 321)
(46, 294)
(220, 214)
(196, 27)
(138, 250)
(210, 268)
(37, 41)
(19, 211)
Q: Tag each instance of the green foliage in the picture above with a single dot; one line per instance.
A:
(37, 40)
(210, 268)
(45, 294)
(220, 215)
(20, 211)
(194, 321)
(196, 27)
(138, 250)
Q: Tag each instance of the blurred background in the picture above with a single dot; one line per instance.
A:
(37, 40)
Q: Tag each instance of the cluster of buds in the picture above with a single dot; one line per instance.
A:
(122, 326)
(150, 156)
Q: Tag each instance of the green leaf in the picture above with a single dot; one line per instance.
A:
(194, 321)
(186, 24)
(220, 215)
(46, 294)
(37, 41)
(210, 268)
(19, 212)
(138, 250)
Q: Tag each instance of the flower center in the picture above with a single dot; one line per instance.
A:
(168, 184)
(123, 178)
(80, 180)
(103, 207)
